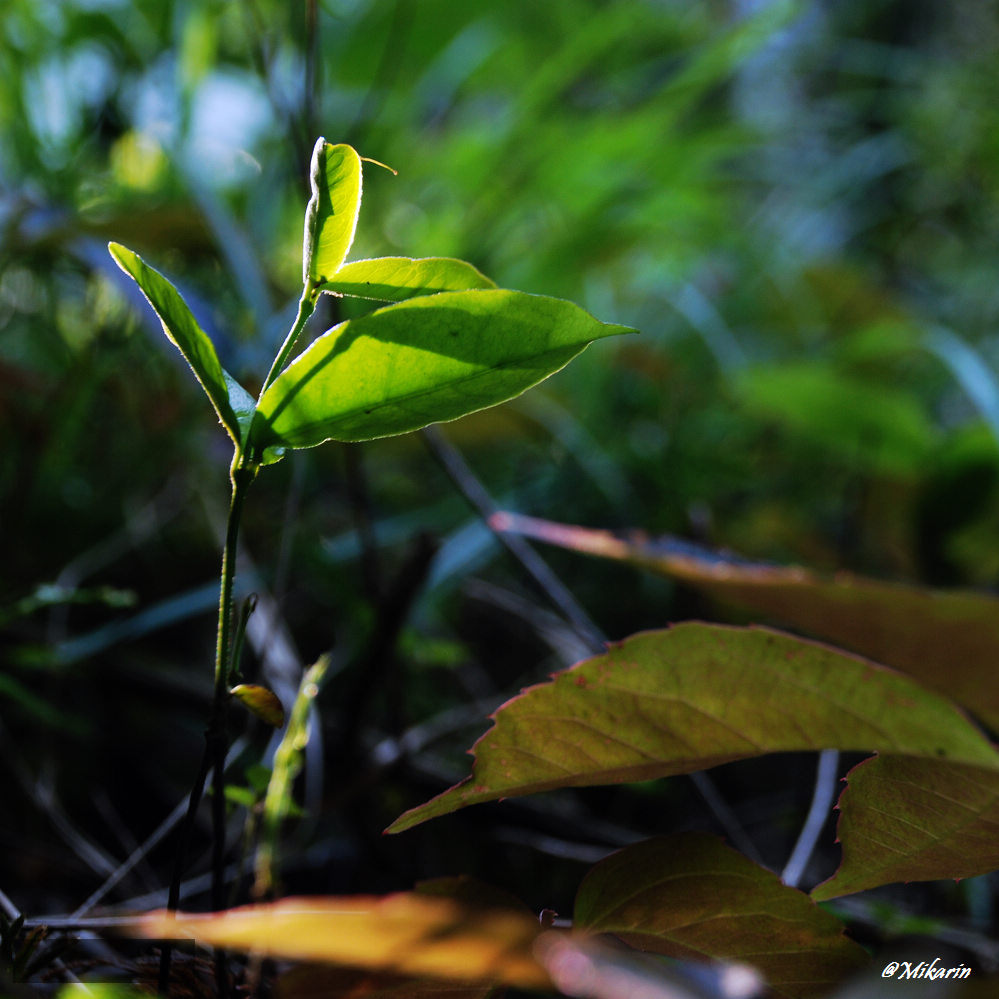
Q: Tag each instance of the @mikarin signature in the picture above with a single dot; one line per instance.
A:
(923, 969)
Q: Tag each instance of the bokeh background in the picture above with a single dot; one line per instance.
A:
(796, 203)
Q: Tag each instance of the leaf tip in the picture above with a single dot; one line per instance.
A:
(119, 253)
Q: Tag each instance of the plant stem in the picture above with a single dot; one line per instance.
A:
(242, 474)
(306, 306)
(218, 736)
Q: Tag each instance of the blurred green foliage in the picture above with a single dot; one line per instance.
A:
(797, 203)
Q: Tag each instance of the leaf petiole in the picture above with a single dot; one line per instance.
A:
(306, 306)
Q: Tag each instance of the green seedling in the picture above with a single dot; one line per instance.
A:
(450, 343)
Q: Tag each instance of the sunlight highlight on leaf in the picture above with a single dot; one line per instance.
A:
(331, 215)
(232, 403)
(394, 279)
(261, 702)
(424, 361)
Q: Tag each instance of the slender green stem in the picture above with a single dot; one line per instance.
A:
(242, 474)
(306, 306)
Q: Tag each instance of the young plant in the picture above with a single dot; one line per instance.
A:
(654, 705)
(450, 344)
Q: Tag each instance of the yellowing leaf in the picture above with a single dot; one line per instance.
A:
(262, 702)
(692, 697)
(406, 934)
(690, 896)
(948, 640)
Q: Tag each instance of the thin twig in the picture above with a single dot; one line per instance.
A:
(145, 848)
(726, 817)
(40, 791)
(10, 910)
(458, 470)
(180, 860)
(818, 812)
(555, 590)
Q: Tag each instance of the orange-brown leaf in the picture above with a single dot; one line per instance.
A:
(406, 934)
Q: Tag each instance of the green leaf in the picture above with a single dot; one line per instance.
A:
(690, 896)
(692, 697)
(904, 819)
(232, 403)
(946, 639)
(423, 361)
(331, 215)
(394, 279)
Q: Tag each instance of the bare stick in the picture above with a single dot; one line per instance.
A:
(476, 495)
(818, 812)
(558, 593)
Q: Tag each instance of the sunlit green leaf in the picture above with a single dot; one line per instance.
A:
(394, 279)
(419, 362)
(690, 896)
(331, 215)
(232, 403)
(692, 697)
(948, 640)
(904, 819)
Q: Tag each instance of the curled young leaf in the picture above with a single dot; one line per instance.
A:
(331, 215)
